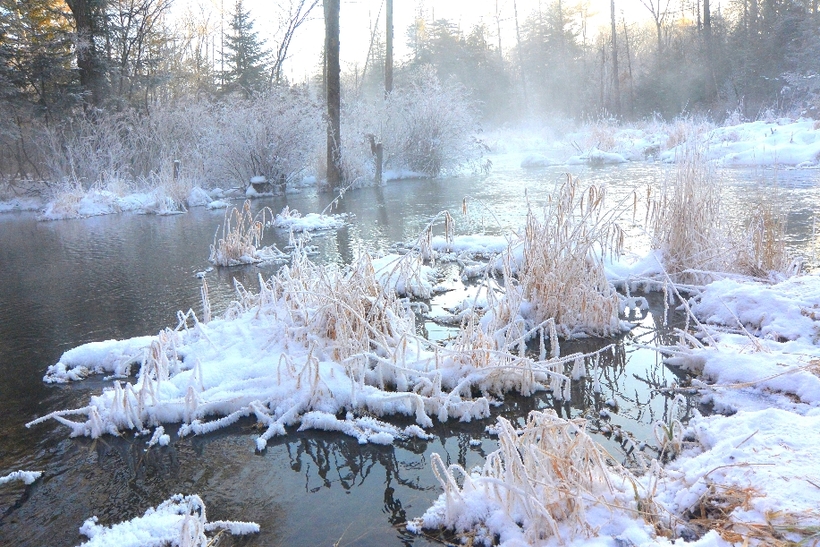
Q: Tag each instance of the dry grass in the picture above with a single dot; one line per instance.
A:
(562, 276)
(714, 511)
(687, 225)
(543, 476)
(241, 236)
(765, 245)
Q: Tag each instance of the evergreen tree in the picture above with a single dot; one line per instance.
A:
(35, 54)
(246, 56)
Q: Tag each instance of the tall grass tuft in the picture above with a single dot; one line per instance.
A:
(562, 276)
(763, 250)
(543, 477)
(241, 236)
(686, 222)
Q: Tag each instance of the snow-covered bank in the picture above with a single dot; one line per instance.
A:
(315, 339)
(781, 142)
(748, 474)
(776, 142)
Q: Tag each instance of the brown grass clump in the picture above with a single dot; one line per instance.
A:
(562, 276)
(687, 225)
(241, 235)
(780, 529)
(765, 246)
(543, 476)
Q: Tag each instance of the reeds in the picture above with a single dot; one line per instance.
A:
(543, 477)
(241, 236)
(764, 249)
(686, 222)
(562, 276)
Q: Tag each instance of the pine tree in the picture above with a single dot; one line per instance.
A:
(246, 57)
(35, 54)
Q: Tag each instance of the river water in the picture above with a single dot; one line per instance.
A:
(69, 282)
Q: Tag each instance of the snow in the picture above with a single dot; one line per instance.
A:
(179, 520)
(98, 202)
(27, 477)
(473, 246)
(784, 142)
(293, 220)
(597, 157)
(115, 357)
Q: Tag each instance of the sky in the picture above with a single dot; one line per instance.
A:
(357, 18)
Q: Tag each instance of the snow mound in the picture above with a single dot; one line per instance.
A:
(293, 220)
(314, 339)
(180, 520)
(27, 477)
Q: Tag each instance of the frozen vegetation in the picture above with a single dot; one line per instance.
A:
(337, 349)
(430, 133)
(179, 520)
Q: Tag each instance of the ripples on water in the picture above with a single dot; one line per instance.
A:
(70, 282)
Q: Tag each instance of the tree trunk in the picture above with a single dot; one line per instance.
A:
(520, 59)
(334, 99)
(388, 56)
(85, 13)
(616, 84)
(629, 71)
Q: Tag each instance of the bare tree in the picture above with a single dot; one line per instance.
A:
(616, 78)
(130, 27)
(291, 18)
(658, 9)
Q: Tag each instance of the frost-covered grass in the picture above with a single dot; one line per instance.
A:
(315, 340)
(562, 275)
(179, 520)
(241, 239)
(540, 485)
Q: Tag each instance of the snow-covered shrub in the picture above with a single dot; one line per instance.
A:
(426, 127)
(431, 126)
(131, 146)
(276, 135)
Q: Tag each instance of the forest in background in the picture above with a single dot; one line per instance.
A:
(82, 76)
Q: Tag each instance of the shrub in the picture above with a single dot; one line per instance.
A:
(274, 135)
(426, 127)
